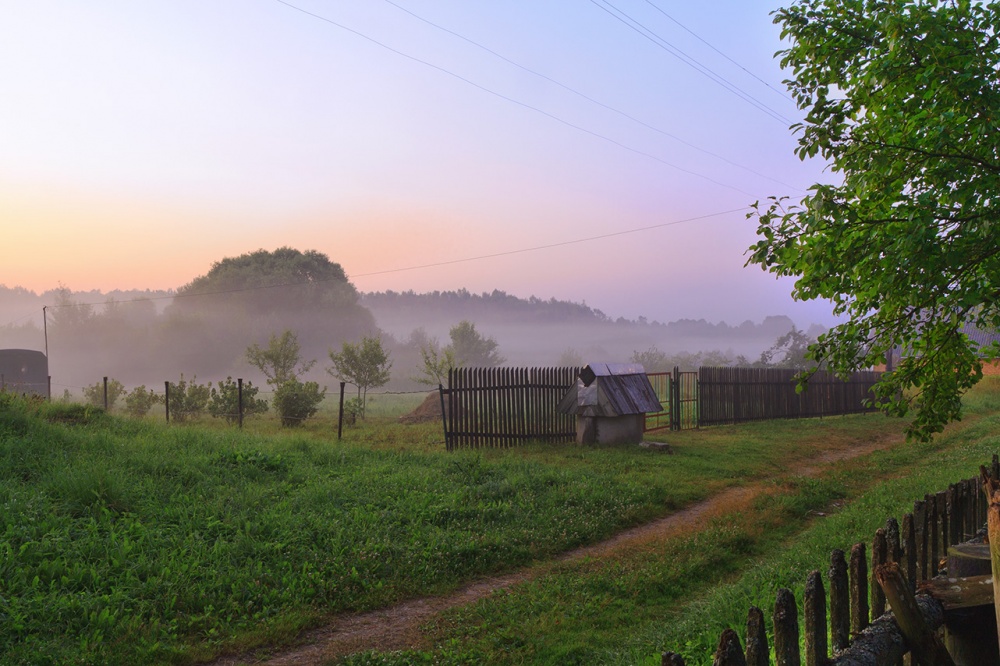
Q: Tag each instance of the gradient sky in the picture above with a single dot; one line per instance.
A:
(142, 141)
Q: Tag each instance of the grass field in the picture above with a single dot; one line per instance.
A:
(136, 542)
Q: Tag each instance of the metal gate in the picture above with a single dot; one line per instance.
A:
(678, 395)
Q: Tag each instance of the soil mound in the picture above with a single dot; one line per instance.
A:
(429, 410)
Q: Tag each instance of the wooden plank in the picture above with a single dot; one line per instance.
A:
(757, 651)
(960, 592)
(910, 551)
(879, 557)
(920, 532)
(859, 589)
(840, 602)
(814, 608)
(729, 652)
(924, 643)
(786, 630)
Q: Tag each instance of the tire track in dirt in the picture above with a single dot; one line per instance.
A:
(398, 627)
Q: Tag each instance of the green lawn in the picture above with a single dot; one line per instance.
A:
(136, 542)
(679, 593)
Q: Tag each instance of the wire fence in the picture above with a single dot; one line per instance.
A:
(233, 401)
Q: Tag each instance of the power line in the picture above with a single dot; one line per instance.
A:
(535, 248)
(559, 244)
(515, 101)
(588, 97)
(688, 60)
(709, 45)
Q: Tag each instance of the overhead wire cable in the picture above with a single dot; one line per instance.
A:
(587, 97)
(709, 45)
(450, 262)
(516, 101)
(721, 81)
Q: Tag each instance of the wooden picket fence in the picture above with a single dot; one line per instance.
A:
(857, 604)
(500, 407)
(737, 395)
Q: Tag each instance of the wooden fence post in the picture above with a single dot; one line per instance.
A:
(941, 502)
(166, 399)
(729, 652)
(814, 607)
(859, 589)
(840, 602)
(786, 630)
(910, 551)
(340, 412)
(757, 653)
(879, 557)
(239, 400)
(105, 394)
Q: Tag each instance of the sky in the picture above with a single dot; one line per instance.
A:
(599, 151)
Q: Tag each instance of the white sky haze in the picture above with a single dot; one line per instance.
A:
(140, 142)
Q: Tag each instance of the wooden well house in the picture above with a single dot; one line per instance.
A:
(610, 402)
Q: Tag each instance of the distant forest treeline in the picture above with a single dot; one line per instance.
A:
(205, 327)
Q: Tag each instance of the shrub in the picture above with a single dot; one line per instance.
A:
(188, 399)
(296, 401)
(352, 410)
(140, 400)
(225, 401)
(94, 394)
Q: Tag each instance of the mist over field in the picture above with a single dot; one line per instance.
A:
(147, 337)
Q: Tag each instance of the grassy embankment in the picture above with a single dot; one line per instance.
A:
(133, 542)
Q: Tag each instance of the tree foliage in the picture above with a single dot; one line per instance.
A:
(285, 279)
(901, 99)
(188, 399)
(140, 400)
(297, 401)
(225, 400)
(365, 364)
(472, 349)
(436, 363)
(94, 394)
(281, 361)
(791, 350)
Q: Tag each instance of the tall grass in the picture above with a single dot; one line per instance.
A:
(129, 541)
(679, 592)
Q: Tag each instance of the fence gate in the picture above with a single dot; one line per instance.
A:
(661, 383)
(678, 395)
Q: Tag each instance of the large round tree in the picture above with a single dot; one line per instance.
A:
(246, 299)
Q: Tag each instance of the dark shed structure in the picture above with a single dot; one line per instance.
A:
(610, 401)
(24, 371)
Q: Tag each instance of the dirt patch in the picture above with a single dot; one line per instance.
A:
(429, 410)
(398, 627)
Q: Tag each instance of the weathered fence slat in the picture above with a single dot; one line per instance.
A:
(879, 557)
(758, 652)
(786, 629)
(500, 407)
(729, 652)
(907, 634)
(735, 395)
(840, 601)
(910, 551)
(859, 589)
(814, 607)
